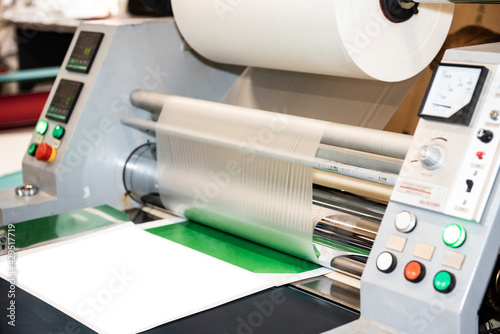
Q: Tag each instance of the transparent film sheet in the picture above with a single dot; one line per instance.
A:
(244, 171)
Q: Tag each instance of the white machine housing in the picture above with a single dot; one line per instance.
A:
(390, 303)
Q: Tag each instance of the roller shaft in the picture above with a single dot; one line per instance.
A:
(347, 136)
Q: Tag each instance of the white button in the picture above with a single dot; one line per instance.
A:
(405, 221)
(386, 262)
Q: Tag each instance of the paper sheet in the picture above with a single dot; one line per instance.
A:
(126, 280)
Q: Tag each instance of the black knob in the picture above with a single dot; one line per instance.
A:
(485, 135)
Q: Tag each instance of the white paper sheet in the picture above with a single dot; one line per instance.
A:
(126, 280)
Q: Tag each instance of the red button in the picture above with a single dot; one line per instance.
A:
(480, 155)
(414, 272)
(45, 152)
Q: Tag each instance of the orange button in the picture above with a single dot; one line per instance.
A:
(414, 271)
(45, 152)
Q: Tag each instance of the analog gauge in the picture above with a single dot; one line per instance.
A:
(453, 93)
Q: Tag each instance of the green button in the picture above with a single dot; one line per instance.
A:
(42, 127)
(58, 132)
(32, 149)
(444, 282)
(454, 235)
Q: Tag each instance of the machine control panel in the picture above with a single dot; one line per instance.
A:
(440, 231)
(64, 100)
(84, 52)
(452, 163)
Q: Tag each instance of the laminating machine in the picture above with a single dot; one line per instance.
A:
(414, 241)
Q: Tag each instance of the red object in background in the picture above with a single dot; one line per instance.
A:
(21, 110)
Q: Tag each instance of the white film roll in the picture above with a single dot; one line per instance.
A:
(350, 38)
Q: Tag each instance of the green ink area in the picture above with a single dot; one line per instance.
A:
(232, 249)
(39, 230)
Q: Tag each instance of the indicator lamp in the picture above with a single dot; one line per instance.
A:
(454, 235)
(58, 132)
(444, 282)
(32, 149)
(42, 127)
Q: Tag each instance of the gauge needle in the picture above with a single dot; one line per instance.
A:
(441, 105)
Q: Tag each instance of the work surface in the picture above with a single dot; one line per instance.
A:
(276, 310)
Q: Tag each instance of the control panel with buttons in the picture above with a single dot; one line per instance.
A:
(439, 239)
(452, 163)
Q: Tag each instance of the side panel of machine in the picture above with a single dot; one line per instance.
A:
(87, 167)
(430, 266)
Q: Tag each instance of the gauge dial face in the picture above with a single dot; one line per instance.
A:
(453, 93)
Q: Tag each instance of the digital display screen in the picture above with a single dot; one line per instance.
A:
(84, 52)
(64, 100)
(453, 93)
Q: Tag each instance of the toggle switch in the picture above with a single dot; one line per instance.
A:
(470, 184)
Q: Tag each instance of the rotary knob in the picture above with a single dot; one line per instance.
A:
(431, 156)
(485, 135)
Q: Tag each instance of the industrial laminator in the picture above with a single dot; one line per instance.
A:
(405, 228)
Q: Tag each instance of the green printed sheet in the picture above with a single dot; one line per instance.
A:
(63, 225)
(232, 249)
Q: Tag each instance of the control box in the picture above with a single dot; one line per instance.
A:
(439, 239)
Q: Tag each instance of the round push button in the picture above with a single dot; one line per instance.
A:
(405, 221)
(386, 262)
(58, 132)
(45, 152)
(454, 235)
(41, 127)
(444, 282)
(32, 149)
(414, 272)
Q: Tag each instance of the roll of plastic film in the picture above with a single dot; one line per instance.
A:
(351, 38)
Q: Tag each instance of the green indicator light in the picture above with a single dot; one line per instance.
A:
(58, 132)
(444, 282)
(78, 67)
(72, 60)
(57, 116)
(454, 235)
(52, 109)
(32, 149)
(42, 127)
(87, 51)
